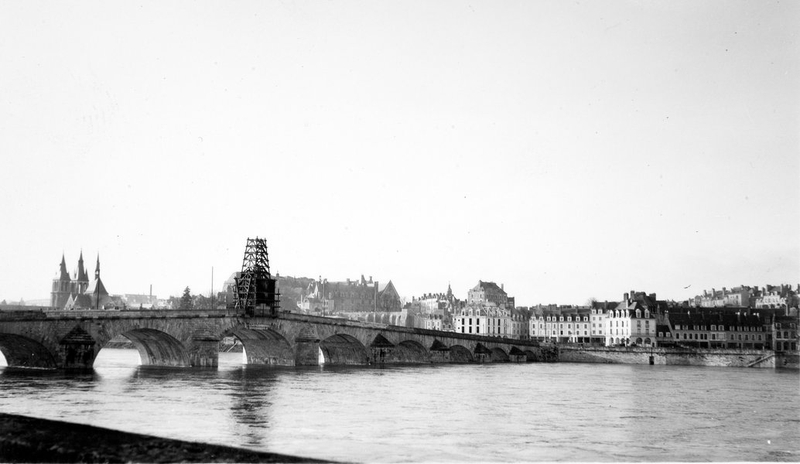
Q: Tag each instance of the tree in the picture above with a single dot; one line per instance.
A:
(186, 299)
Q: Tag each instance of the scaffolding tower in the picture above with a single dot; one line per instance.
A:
(256, 291)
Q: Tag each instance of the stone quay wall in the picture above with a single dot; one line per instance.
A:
(674, 356)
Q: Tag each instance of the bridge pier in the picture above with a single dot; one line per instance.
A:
(517, 356)
(204, 352)
(439, 352)
(76, 349)
(306, 352)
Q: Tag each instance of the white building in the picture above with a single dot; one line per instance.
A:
(631, 322)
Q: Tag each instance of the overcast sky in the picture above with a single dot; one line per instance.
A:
(568, 150)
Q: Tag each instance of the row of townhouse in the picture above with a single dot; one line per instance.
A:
(632, 321)
(641, 320)
(743, 329)
(768, 297)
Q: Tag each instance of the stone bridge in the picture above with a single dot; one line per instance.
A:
(71, 339)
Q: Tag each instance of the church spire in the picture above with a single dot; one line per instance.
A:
(64, 275)
(82, 276)
(97, 268)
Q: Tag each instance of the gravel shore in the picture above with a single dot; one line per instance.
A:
(27, 439)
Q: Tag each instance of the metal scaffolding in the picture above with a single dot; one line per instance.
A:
(256, 291)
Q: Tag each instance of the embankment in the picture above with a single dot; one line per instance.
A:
(676, 356)
(27, 439)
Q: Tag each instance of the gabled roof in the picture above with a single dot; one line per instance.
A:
(83, 301)
(488, 286)
(389, 285)
(96, 288)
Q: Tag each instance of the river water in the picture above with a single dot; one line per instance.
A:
(442, 413)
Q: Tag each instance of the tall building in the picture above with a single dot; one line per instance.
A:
(351, 296)
(77, 292)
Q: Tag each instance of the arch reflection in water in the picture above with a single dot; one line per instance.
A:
(250, 388)
(117, 357)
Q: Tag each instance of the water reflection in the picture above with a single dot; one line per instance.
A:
(250, 389)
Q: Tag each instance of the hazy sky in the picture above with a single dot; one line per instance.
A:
(565, 149)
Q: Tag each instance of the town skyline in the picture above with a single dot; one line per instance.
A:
(85, 267)
(581, 149)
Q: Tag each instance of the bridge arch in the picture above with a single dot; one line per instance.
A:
(157, 348)
(410, 351)
(22, 351)
(460, 354)
(530, 356)
(264, 346)
(343, 349)
(499, 355)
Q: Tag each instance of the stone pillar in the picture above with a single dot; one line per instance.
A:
(77, 355)
(77, 349)
(204, 352)
(383, 355)
(306, 351)
(440, 356)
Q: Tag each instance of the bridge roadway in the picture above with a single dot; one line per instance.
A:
(48, 338)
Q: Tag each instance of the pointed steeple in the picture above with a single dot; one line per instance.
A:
(82, 276)
(63, 274)
(97, 268)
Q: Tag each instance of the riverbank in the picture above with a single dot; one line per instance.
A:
(27, 439)
(678, 356)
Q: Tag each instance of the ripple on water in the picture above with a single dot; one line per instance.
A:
(454, 413)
